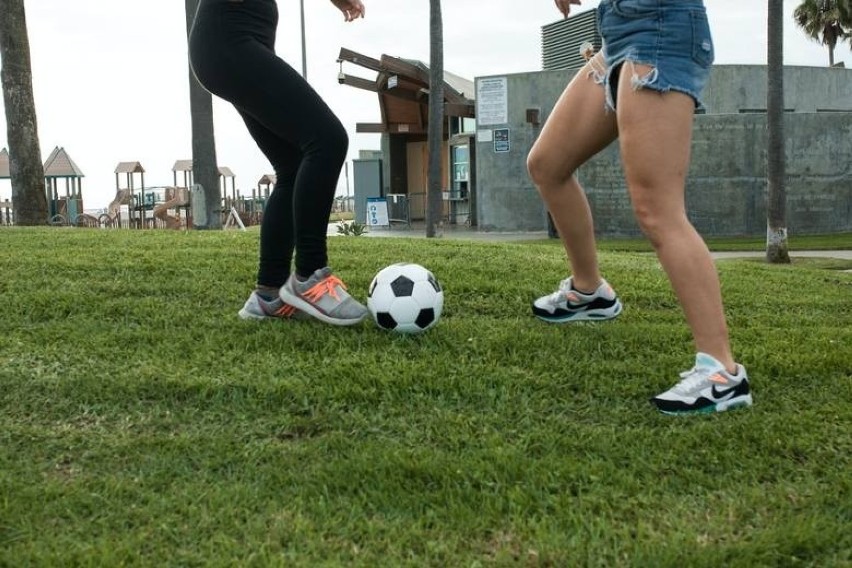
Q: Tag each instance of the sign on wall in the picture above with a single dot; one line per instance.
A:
(501, 140)
(492, 101)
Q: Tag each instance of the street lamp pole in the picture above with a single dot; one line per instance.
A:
(304, 52)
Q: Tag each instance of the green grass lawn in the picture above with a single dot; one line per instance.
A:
(143, 423)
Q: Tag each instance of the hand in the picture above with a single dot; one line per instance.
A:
(352, 9)
(565, 6)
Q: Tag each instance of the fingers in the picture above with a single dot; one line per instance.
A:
(564, 6)
(354, 10)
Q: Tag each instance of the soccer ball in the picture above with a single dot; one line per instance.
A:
(405, 298)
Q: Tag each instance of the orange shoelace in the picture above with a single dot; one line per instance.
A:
(326, 286)
(285, 311)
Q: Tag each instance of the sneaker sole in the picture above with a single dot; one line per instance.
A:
(595, 315)
(251, 316)
(246, 315)
(739, 402)
(312, 311)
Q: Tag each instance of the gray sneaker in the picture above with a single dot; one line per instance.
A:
(324, 297)
(256, 308)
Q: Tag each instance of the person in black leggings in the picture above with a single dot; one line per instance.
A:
(232, 53)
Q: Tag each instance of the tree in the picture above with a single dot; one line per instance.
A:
(844, 12)
(27, 172)
(205, 171)
(826, 21)
(776, 200)
(434, 194)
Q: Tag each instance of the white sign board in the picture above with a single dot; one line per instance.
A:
(377, 212)
(492, 101)
(484, 135)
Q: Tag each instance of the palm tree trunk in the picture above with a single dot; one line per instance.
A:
(26, 169)
(434, 201)
(776, 203)
(204, 168)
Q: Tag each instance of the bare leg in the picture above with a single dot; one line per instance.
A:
(655, 136)
(577, 129)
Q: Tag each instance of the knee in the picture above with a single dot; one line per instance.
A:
(327, 141)
(655, 224)
(546, 172)
(336, 139)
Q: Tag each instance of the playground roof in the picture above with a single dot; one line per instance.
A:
(129, 168)
(268, 179)
(186, 166)
(60, 165)
(4, 163)
(182, 166)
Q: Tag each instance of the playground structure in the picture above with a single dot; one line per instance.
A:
(6, 216)
(62, 209)
(136, 206)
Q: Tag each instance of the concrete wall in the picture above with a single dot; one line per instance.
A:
(726, 186)
(734, 88)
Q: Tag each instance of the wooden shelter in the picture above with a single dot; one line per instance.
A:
(6, 216)
(265, 185)
(59, 165)
(402, 88)
(4, 164)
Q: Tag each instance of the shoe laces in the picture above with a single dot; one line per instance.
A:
(327, 285)
(564, 288)
(693, 378)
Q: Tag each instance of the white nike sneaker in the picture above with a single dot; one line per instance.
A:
(567, 304)
(707, 387)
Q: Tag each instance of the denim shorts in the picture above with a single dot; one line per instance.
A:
(670, 36)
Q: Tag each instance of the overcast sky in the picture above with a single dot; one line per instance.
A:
(111, 79)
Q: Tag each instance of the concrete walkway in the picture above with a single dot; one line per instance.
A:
(841, 254)
(466, 233)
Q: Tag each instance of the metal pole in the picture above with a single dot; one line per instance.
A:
(304, 51)
(346, 166)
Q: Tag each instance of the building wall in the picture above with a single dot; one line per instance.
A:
(726, 184)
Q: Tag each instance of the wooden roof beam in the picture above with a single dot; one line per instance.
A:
(461, 110)
(358, 59)
(400, 67)
(358, 83)
(374, 128)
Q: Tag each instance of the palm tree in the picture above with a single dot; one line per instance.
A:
(27, 171)
(434, 200)
(844, 12)
(826, 21)
(205, 172)
(776, 201)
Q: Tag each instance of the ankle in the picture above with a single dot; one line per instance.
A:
(266, 292)
(585, 287)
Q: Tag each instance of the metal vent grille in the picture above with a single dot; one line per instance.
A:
(561, 41)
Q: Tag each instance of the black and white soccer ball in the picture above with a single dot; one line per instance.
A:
(405, 298)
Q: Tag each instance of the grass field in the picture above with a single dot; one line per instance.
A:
(142, 423)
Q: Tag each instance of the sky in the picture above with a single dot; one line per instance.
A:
(111, 78)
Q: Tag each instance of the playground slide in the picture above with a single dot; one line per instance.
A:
(122, 197)
(161, 212)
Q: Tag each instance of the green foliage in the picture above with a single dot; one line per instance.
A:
(143, 423)
(351, 228)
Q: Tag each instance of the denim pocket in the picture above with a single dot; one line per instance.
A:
(702, 41)
(636, 8)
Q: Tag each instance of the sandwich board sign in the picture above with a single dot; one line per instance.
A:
(377, 212)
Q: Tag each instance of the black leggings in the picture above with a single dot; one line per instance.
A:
(232, 52)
